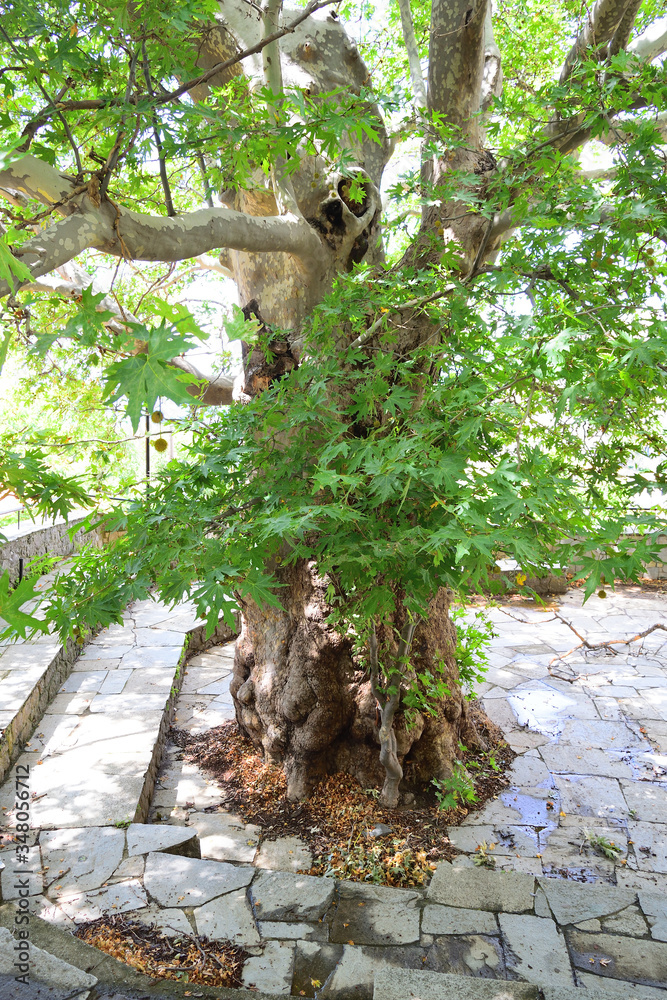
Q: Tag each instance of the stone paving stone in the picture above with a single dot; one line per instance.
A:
(272, 970)
(178, 881)
(437, 919)
(399, 984)
(150, 680)
(508, 840)
(571, 902)
(314, 961)
(225, 837)
(285, 896)
(635, 959)
(81, 858)
(228, 918)
(98, 664)
(89, 680)
(375, 915)
(143, 838)
(70, 704)
(648, 799)
(129, 704)
(479, 889)
(629, 921)
(530, 771)
(147, 656)
(171, 922)
(467, 955)
(608, 710)
(611, 989)
(115, 682)
(654, 907)
(650, 845)
(599, 735)
(565, 848)
(591, 796)
(44, 968)
(576, 760)
(537, 952)
(284, 854)
(157, 637)
(352, 979)
(129, 868)
(17, 875)
(119, 898)
(282, 930)
(103, 651)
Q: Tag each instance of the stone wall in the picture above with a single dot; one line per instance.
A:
(29, 542)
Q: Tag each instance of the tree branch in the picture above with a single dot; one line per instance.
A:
(133, 236)
(652, 42)
(273, 77)
(412, 51)
(601, 22)
(456, 61)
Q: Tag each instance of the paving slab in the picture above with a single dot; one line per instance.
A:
(353, 976)
(225, 837)
(285, 896)
(143, 838)
(479, 889)
(402, 984)
(535, 950)
(228, 918)
(636, 959)
(272, 970)
(468, 955)
(648, 799)
(571, 903)
(178, 881)
(376, 915)
(609, 989)
(284, 854)
(170, 922)
(81, 858)
(650, 845)
(438, 919)
(117, 898)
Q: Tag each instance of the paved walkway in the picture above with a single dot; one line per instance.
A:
(590, 758)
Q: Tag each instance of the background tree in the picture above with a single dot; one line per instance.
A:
(482, 376)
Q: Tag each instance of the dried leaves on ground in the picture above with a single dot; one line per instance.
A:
(342, 823)
(186, 959)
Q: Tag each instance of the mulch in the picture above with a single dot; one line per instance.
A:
(185, 959)
(337, 821)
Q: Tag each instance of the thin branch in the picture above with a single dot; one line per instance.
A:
(412, 51)
(602, 20)
(363, 338)
(169, 205)
(96, 104)
(273, 77)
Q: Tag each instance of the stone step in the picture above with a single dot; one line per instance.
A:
(406, 984)
(57, 957)
(93, 757)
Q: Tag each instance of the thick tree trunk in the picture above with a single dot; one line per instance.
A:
(303, 699)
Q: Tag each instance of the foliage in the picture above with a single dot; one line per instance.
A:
(457, 789)
(529, 426)
(602, 845)
(378, 862)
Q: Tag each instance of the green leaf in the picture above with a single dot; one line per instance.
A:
(11, 602)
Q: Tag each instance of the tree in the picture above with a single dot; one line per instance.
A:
(477, 371)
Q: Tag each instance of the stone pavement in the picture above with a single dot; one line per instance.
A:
(590, 757)
(592, 743)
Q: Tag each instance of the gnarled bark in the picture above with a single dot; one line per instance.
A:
(301, 696)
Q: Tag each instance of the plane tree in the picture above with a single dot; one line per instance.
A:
(462, 362)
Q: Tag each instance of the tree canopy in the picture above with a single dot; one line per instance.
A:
(463, 362)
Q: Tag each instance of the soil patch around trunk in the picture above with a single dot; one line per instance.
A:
(349, 834)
